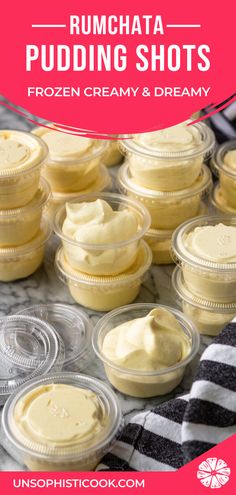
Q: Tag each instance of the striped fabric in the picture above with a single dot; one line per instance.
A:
(174, 433)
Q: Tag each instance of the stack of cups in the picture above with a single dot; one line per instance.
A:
(103, 257)
(205, 280)
(165, 171)
(223, 164)
(74, 165)
(23, 196)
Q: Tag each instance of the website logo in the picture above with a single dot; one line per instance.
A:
(213, 472)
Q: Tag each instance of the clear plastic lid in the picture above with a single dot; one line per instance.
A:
(42, 236)
(93, 444)
(68, 275)
(185, 295)
(72, 153)
(181, 253)
(219, 202)
(39, 200)
(217, 162)
(204, 146)
(26, 152)
(71, 324)
(201, 186)
(29, 347)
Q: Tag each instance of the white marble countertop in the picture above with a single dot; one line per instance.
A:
(44, 287)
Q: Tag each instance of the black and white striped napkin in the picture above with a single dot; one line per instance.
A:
(174, 433)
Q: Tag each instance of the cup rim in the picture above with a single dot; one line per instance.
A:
(14, 172)
(34, 204)
(31, 245)
(106, 196)
(182, 319)
(205, 147)
(202, 185)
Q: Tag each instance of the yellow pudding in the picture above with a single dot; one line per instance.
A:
(224, 164)
(73, 161)
(101, 232)
(145, 356)
(21, 158)
(105, 293)
(206, 249)
(167, 210)
(219, 202)
(209, 317)
(103, 182)
(160, 244)
(169, 159)
(62, 422)
(112, 156)
(21, 261)
(19, 225)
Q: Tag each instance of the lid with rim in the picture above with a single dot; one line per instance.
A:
(71, 151)
(9, 253)
(67, 274)
(217, 162)
(25, 151)
(201, 186)
(185, 295)
(39, 200)
(29, 347)
(219, 201)
(93, 446)
(205, 145)
(71, 324)
(181, 254)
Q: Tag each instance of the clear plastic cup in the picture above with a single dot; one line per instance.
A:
(138, 383)
(166, 170)
(112, 155)
(103, 182)
(219, 202)
(21, 261)
(226, 174)
(206, 279)
(29, 348)
(209, 317)
(167, 209)
(65, 455)
(104, 293)
(19, 225)
(20, 167)
(109, 258)
(74, 328)
(69, 170)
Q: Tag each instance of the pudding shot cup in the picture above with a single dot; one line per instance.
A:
(171, 169)
(19, 225)
(227, 173)
(102, 293)
(73, 161)
(78, 422)
(167, 209)
(136, 382)
(104, 259)
(219, 201)
(206, 278)
(209, 317)
(21, 261)
(21, 158)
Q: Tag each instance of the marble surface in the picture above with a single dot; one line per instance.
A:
(44, 287)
